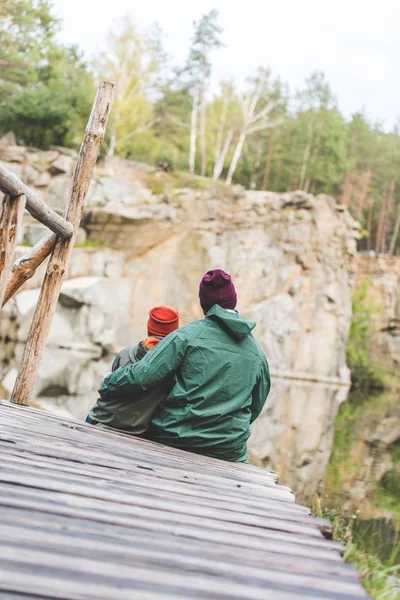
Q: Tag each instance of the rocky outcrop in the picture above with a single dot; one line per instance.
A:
(292, 257)
(383, 276)
(364, 474)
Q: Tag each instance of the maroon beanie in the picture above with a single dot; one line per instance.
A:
(216, 287)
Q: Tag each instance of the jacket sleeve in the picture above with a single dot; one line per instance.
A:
(260, 390)
(156, 367)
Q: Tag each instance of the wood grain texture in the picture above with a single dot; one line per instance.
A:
(58, 262)
(91, 513)
(11, 185)
(11, 212)
(24, 268)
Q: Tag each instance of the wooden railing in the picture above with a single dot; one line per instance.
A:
(58, 243)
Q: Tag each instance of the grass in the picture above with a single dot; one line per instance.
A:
(365, 372)
(89, 244)
(380, 579)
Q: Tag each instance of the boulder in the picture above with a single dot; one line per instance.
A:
(67, 151)
(43, 179)
(62, 164)
(12, 153)
(48, 156)
(8, 139)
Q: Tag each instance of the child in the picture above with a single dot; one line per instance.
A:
(133, 415)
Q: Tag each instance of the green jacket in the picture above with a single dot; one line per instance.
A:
(221, 381)
(129, 414)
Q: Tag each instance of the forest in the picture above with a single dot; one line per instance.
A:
(264, 136)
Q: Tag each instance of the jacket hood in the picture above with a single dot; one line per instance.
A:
(236, 325)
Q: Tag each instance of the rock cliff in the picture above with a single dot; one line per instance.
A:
(146, 238)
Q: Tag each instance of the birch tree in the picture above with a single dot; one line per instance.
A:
(206, 38)
(257, 107)
(133, 61)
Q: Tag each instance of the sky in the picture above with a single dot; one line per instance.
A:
(354, 42)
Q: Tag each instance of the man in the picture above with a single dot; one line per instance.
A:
(220, 378)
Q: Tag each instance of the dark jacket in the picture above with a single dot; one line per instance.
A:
(131, 415)
(220, 384)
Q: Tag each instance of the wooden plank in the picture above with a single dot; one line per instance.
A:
(140, 577)
(198, 529)
(11, 212)
(89, 514)
(24, 268)
(89, 530)
(158, 507)
(11, 185)
(53, 279)
(78, 473)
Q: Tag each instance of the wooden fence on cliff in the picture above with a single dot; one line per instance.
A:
(58, 243)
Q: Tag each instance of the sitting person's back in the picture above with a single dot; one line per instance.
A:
(221, 378)
(133, 415)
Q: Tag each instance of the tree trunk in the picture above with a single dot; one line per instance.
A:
(347, 189)
(306, 156)
(395, 235)
(203, 153)
(236, 156)
(365, 181)
(369, 224)
(267, 164)
(193, 131)
(380, 234)
(219, 165)
(388, 210)
(220, 134)
(112, 144)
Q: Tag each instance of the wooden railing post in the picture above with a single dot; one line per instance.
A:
(51, 287)
(11, 185)
(24, 268)
(11, 212)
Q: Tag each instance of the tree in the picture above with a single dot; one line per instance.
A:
(46, 90)
(132, 60)
(253, 121)
(204, 41)
(27, 30)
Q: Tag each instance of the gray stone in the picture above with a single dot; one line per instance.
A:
(67, 151)
(43, 180)
(58, 191)
(62, 164)
(48, 156)
(12, 153)
(8, 139)
(30, 175)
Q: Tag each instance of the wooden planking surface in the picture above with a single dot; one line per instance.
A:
(90, 513)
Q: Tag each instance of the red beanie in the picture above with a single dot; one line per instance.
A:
(162, 320)
(216, 287)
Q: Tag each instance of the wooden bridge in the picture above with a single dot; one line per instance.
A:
(87, 513)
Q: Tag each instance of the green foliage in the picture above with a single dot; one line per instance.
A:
(46, 91)
(377, 577)
(365, 373)
(303, 142)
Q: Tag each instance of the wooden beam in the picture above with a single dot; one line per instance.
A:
(11, 212)
(24, 268)
(11, 185)
(51, 287)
